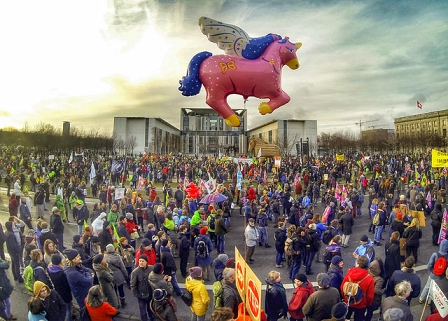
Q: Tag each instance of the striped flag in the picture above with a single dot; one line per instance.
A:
(419, 105)
(429, 199)
(443, 228)
(239, 178)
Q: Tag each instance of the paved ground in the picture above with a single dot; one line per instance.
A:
(264, 262)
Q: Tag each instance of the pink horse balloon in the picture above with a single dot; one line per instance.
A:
(251, 67)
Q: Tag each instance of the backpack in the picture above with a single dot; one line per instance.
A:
(376, 219)
(306, 202)
(211, 224)
(327, 236)
(352, 291)
(440, 265)
(202, 249)
(217, 294)
(29, 278)
(296, 247)
(361, 198)
(187, 297)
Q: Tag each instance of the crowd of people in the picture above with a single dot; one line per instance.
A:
(104, 257)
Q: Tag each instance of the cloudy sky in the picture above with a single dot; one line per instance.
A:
(87, 61)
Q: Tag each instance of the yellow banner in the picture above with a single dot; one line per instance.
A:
(439, 159)
(240, 272)
(253, 294)
(340, 157)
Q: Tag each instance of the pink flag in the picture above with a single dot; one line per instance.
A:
(429, 199)
(443, 228)
(296, 179)
(419, 105)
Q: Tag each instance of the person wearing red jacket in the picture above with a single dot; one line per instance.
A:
(304, 288)
(360, 274)
(147, 249)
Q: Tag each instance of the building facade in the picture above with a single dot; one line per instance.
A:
(203, 132)
(293, 136)
(145, 135)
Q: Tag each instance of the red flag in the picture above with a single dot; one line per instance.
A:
(419, 105)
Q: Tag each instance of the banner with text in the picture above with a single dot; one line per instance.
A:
(439, 159)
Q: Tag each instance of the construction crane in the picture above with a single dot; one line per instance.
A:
(362, 122)
(374, 126)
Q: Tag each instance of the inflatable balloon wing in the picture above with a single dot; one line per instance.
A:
(251, 67)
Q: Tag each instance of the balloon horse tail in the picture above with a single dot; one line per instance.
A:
(190, 84)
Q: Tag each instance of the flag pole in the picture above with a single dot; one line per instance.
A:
(426, 301)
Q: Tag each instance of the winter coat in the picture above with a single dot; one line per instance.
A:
(392, 261)
(127, 254)
(336, 277)
(151, 254)
(367, 285)
(230, 297)
(404, 274)
(59, 279)
(412, 236)
(218, 267)
(397, 225)
(220, 226)
(106, 281)
(208, 259)
(347, 222)
(280, 238)
(97, 224)
(314, 244)
(123, 232)
(117, 267)
(40, 274)
(5, 284)
(200, 296)
(157, 281)
(299, 298)
(53, 303)
(252, 235)
(112, 217)
(105, 238)
(378, 281)
(275, 300)
(104, 312)
(319, 304)
(81, 213)
(80, 280)
(139, 283)
(184, 246)
(167, 259)
(396, 302)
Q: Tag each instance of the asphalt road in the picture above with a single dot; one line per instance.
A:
(264, 261)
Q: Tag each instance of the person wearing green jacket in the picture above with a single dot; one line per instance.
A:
(113, 215)
(61, 206)
(72, 203)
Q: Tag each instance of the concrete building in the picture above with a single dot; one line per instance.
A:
(203, 132)
(145, 135)
(293, 136)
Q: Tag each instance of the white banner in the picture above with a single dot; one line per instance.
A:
(439, 299)
(242, 160)
(119, 193)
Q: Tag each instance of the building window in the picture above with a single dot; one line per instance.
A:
(444, 122)
(270, 137)
(444, 132)
(147, 132)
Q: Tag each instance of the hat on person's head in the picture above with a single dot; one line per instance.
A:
(195, 272)
(76, 238)
(339, 310)
(439, 206)
(110, 248)
(122, 217)
(393, 314)
(143, 257)
(301, 277)
(158, 268)
(336, 260)
(71, 254)
(55, 209)
(312, 226)
(400, 216)
(203, 231)
(106, 224)
(323, 280)
(95, 239)
(129, 216)
(98, 258)
(56, 259)
(122, 239)
(364, 238)
(223, 258)
(29, 239)
(159, 294)
(146, 242)
(251, 220)
(79, 202)
(230, 263)
(164, 242)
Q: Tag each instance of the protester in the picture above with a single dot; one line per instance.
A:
(97, 307)
(195, 285)
(402, 291)
(303, 290)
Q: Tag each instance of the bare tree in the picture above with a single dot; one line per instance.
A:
(130, 144)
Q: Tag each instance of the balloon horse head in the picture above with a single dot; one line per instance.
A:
(250, 67)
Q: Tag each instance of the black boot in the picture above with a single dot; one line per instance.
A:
(122, 302)
(267, 245)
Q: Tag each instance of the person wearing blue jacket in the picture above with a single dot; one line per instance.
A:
(79, 279)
